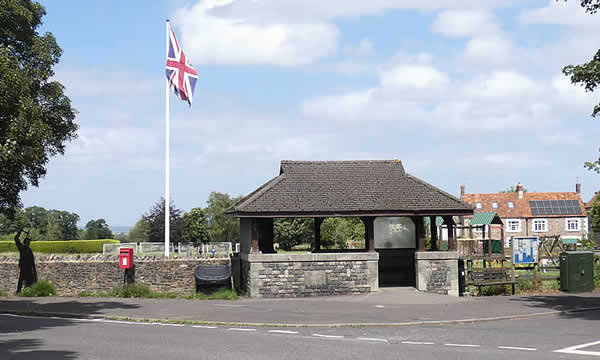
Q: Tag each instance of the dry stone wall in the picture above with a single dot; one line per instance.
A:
(73, 274)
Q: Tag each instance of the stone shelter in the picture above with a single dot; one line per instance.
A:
(533, 213)
(393, 206)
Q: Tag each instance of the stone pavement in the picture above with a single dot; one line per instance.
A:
(390, 306)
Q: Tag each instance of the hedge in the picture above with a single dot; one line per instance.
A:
(61, 247)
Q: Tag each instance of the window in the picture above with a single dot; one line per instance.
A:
(511, 205)
(540, 225)
(513, 225)
(494, 205)
(478, 205)
(572, 224)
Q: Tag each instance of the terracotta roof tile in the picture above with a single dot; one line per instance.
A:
(521, 206)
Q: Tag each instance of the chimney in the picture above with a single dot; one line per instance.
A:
(462, 191)
(519, 191)
(578, 188)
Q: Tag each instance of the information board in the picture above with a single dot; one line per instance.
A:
(525, 250)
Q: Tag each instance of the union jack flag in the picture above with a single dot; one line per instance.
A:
(181, 75)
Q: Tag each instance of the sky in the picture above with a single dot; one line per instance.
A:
(463, 92)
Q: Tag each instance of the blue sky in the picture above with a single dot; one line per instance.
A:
(463, 92)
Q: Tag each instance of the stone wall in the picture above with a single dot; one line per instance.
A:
(295, 275)
(73, 274)
(437, 271)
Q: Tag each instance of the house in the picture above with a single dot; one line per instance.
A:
(532, 214)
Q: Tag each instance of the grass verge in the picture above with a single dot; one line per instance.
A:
(221, 294)
(40, 288)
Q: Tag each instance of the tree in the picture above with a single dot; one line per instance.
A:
(294, 231)
(67, 222)
(195, 226)
(37, 217)
(53, 232)
(156, 222)
(220, 227)
(512, 189)
(336, 232)
(9, 226)
(97, 229)
(140, 232)
(36, 117)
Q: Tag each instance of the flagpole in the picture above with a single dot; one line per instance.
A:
(167, 155)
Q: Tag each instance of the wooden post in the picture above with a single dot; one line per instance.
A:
(419, 232)
(369, 233)
(434, 237)
(317, 245)
(451, 237)
(255, 235)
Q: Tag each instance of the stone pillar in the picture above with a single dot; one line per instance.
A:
(317, 244)
(419, 232)
(451, 235)
(369, 233)
(434, 237)
(437, 272)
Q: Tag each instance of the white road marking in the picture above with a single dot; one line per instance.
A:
(204, 327)
(372, 339)
(241, 329)
(329, 336)
(575, 349)
(462, 345)
(516, 348)
(417, 343)
(165, 324)
(283, 332)
(379, 306)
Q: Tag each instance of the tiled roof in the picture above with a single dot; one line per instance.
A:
(346, 187)
(521, 206)
(588, 205)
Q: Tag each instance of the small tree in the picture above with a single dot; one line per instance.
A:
(336, 232)
(140, 232)
(156, 221)
(291, 232)
(195, 226)
(221, 228)
(97, 229)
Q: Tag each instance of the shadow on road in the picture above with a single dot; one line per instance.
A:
(569, 303)
(14, 344)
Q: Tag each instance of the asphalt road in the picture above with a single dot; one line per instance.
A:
(534, 338)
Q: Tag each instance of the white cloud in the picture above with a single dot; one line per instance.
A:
(502, 86)
(414, 76)
(493, 50)
(208, 38)
(560, 12)
(462, 23)
(574, 94)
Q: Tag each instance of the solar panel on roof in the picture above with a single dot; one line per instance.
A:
(555, 207)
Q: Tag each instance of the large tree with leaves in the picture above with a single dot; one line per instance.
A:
(36, 117)
(155, 218)
(195, 226)
(221, 228)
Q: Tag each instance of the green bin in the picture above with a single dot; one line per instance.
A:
(577, 271)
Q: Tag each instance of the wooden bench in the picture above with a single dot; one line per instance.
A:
(492, 276)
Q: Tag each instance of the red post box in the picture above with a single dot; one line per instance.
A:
(126, 258)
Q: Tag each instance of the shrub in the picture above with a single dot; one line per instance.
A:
(69, 246)
(40, 288)
(221, 294)
(3, 292)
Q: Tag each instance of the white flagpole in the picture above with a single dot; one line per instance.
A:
(167, 165)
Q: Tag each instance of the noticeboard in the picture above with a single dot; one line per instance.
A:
(525, 250)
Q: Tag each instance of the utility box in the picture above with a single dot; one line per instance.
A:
(577, 271)
(126, 258)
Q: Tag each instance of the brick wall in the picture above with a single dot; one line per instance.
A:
(294, 275)
(73, 274)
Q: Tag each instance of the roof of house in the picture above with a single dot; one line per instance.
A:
(589, 204)
(522, 208)
(347, 188)
(486, 218)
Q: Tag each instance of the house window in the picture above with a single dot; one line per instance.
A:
(513, 225)
(572, 224)
(478, 205)
(511, 205)
(494, 205)
(540, 225)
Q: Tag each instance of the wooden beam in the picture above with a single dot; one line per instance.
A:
(369, 222)
(433, 230)
(419, 232)
(317, 244)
